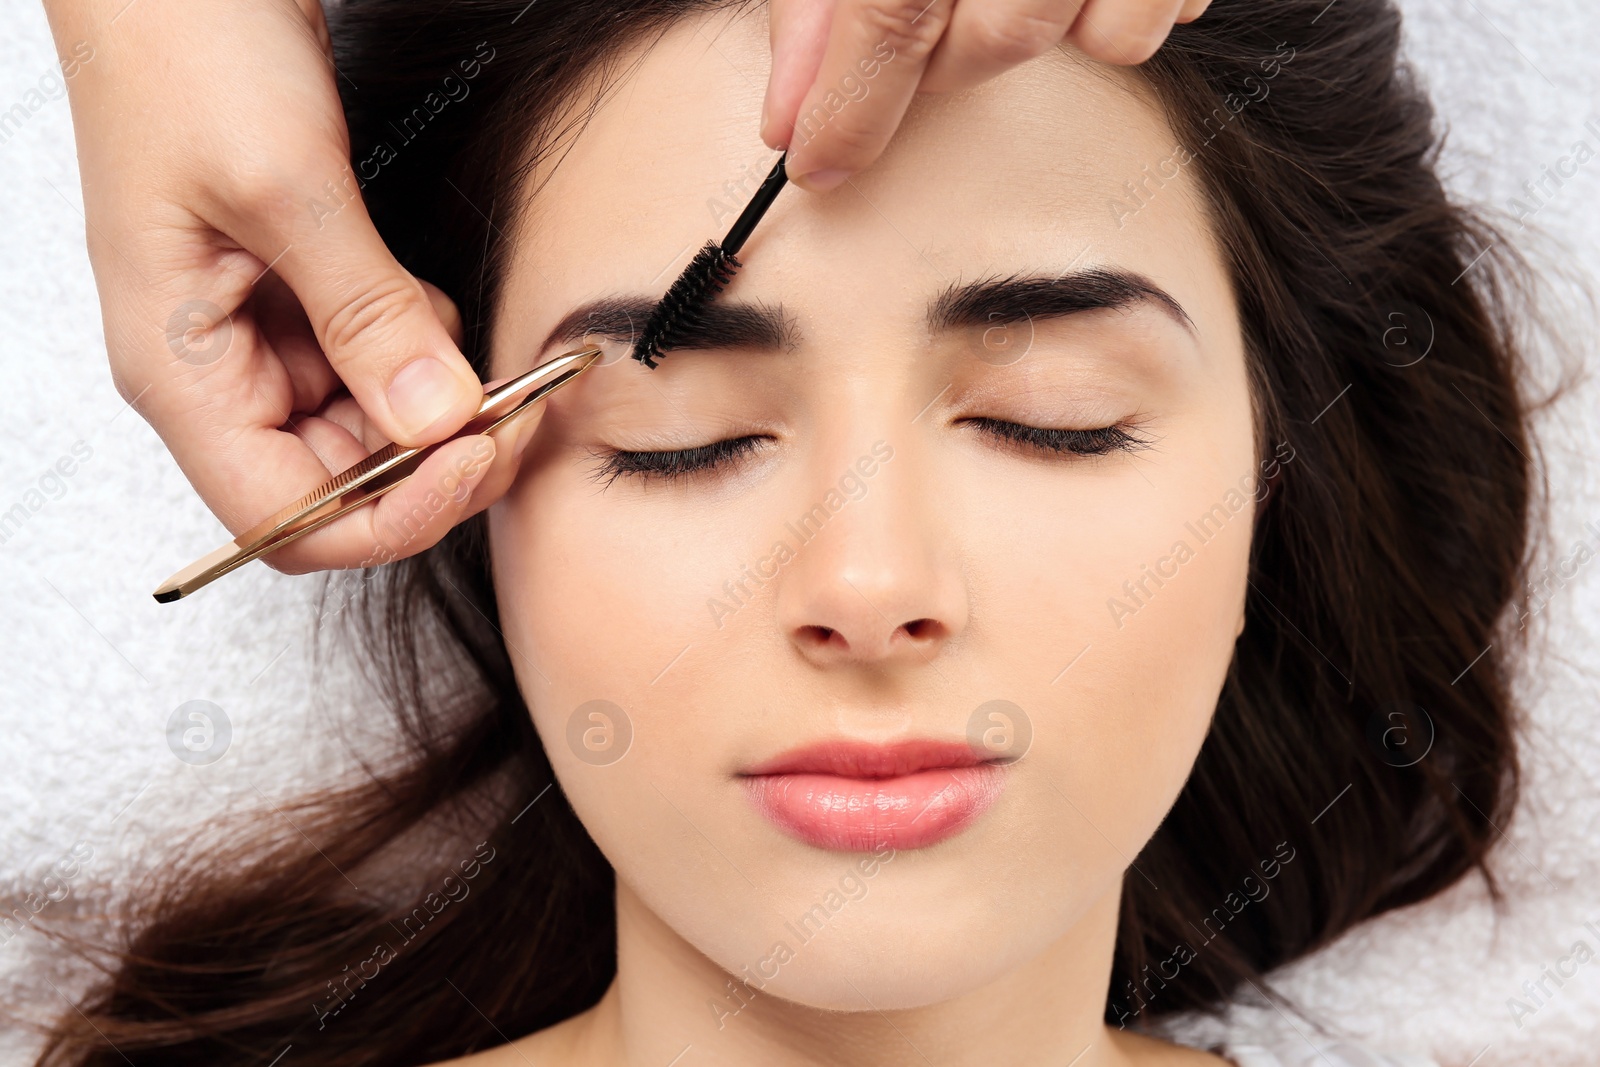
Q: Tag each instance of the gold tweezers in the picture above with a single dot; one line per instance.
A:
(370, 478)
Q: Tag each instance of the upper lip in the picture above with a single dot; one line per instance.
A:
(867, 759)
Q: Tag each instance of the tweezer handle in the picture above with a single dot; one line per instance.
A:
(369, 478)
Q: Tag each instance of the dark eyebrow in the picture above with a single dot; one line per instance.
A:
(719, 325)
(987, 302)
(991, 301)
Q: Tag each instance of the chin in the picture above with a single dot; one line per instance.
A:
(928, 929)
(894, 959)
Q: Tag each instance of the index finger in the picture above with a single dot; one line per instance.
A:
(876, 53)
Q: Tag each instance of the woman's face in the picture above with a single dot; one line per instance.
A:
(880, 559)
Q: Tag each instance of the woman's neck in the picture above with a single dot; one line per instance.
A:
(670, 1006)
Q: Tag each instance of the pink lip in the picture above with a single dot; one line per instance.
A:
(857, 797)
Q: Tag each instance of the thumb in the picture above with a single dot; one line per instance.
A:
(376, 323)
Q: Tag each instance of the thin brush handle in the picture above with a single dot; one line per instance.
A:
(757, 207)
(711, 268)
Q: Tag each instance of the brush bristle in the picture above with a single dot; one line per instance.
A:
(704, 277)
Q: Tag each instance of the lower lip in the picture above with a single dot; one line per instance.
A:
(866, 814)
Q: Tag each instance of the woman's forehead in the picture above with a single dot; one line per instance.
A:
(1051, 166)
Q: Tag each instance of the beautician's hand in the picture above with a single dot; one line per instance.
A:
(205, 131)
(843, 71)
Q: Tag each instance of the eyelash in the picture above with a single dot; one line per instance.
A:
(1100, 441)
(675, 465)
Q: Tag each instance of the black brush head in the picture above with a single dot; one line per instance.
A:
(704, 277)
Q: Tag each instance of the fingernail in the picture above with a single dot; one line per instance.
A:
(820, 181)
(422, 394)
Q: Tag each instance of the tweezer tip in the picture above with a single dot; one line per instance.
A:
(167, 596)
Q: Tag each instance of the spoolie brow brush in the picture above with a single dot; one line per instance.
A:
(707, 273)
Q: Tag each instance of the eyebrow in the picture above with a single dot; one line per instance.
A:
(717, 325)
(993, 301)
(987, 302)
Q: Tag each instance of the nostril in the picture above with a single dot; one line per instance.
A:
(919, 628)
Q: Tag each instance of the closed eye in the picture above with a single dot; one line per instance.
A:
(674, 465)
(679, 464)
(1099, 441)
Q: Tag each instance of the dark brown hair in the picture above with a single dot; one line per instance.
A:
(1381, 570)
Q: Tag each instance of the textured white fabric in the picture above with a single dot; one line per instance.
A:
(91, 669)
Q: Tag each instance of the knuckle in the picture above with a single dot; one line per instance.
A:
(854, 141)
(277, 188)
(264, 192)
(1016, 37)
(911, 27)
(371, 318)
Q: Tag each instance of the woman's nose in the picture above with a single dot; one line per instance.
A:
(876, 578)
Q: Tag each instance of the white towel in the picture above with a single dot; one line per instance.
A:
(92, 670)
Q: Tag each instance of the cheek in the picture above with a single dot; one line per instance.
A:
(1128, 620)
(604, 611)
(599, 600)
